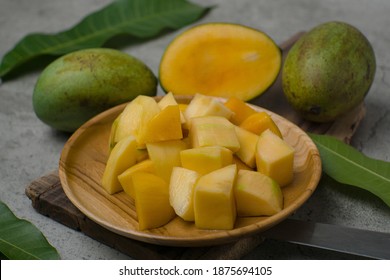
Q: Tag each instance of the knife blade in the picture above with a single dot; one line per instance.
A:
(360, 242)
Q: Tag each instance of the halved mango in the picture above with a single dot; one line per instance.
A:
(220, 59)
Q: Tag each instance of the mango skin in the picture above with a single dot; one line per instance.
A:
(328, 71)
(81, 84)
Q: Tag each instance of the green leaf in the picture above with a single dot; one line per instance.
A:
(138, 18)
(20, 240)
(347, 165)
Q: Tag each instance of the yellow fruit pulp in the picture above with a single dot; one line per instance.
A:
(213, 131)
(151, 200)
(165, 155)
(240, 109)
(206, 159)
(259, 122)
(181, 192)
(257, 194)
(248, 143)
(214, 204)
(166, 125)
(125, 177)
(275, 158)
(122, 156)
(220, 59)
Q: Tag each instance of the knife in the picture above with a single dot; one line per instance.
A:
(366, 243)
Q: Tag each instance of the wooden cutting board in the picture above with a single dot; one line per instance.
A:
(49, 199)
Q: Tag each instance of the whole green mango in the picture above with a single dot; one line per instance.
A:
(328, 71)
(81, 84)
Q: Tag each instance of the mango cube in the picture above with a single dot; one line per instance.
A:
(248, 143)
(257, 194)
(125, 177)
(122, 156)
(151, 200)
(166, 155)
(203, 105)
(181, 192)
(213, 131)
(240, 109)
(275, 158)
(214, 204)
(166, 125)
(206, 159)
(168, 100)
(135, 117)
(259, 122)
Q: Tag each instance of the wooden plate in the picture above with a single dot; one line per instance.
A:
(83, 160)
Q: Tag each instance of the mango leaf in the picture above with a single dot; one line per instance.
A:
(20, 240)
(347, 165)
(139, 18)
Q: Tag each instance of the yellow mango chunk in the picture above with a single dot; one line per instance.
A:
(259, 122)
(213, 131)
(166, 155)
(248, 143)
(166, 125)
(203, 105)
(125, 177)
(257, 194)
(122, 156)
(151, 200)
(181, 192)
(135, 117)
(275, 158)
(240, 109)
(167, 100)
(214, 204)
(206, 159)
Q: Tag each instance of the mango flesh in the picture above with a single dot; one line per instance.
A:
(81, 84)
(165, 156)
(135, 117)
(151, 200)
(203, 160)
(181, 192)
(220, 59)
(166, 125)
(257, 194)
(122, 157)
(275, 158)
(328, 71)
(213, 131)
(248, 143)
(214, 204)
(125, 178)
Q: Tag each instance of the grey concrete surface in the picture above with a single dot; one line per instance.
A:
(30, 149)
